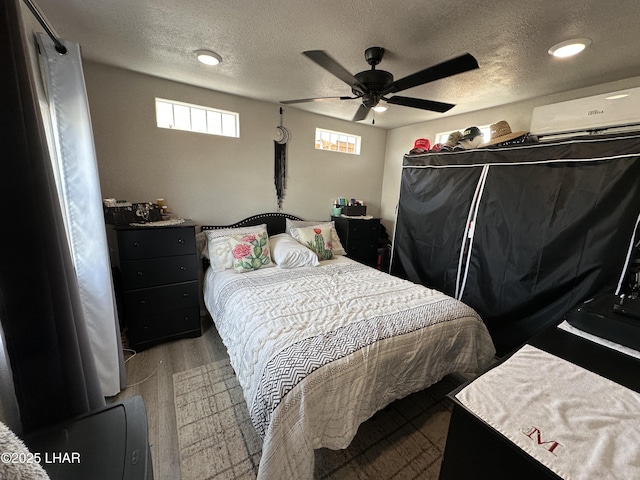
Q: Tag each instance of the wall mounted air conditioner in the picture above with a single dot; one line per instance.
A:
(589, 114)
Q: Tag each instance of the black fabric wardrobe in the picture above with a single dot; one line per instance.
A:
(521, 234)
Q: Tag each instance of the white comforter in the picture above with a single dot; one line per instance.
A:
(318, 350)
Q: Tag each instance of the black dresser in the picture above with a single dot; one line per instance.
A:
(159, 294)
(359, 237)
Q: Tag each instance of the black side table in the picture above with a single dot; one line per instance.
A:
(359, 237)
(475, 450)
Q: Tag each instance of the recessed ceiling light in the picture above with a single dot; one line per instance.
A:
(380, 108)
(208, 57)
(569, 47)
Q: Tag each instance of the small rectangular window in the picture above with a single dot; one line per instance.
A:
(337, 141)
(444, 136)
(214, 123)
(182, 117)
(195, 118)
(198, 120)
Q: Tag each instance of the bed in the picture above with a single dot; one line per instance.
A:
(319, 347)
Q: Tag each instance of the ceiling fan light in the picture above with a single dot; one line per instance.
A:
(380, 108)
(569, 48)
(208, 57)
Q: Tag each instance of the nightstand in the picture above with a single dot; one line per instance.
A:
(359, 237)
(476, 450)
(160, 287)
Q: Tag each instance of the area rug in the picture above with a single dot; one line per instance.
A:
(217, 440)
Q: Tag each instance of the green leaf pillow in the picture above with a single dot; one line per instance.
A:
(317, 239)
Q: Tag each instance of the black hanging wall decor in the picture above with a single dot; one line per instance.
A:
(280, 162)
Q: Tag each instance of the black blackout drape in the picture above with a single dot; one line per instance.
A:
(46, 341)
(553, 226)
(429, 232)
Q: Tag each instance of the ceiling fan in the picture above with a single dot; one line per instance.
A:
(373, 85)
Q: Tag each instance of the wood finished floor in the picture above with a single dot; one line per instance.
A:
(150, 374)
(159, 363)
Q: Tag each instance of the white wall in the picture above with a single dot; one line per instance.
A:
(400, 140)
(220, 180)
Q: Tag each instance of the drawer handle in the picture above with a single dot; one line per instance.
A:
(185, 295)
(186, 318)
(183, 268)
(143, 302)
(180, 240)
(139, 273)
(136, 244)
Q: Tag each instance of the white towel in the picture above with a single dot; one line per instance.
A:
(577, 423)
(567, 327)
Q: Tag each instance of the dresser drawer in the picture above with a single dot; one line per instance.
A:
(366, 247)
(150, 272)
(364, 252)
(363, 229)
(163, 326)
(160, 299)
(141, 243)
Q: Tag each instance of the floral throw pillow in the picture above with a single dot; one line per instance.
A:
(317, 239)
(218, 250)
(250, 251)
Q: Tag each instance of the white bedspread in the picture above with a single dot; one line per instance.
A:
(318, 350)
(580, 425)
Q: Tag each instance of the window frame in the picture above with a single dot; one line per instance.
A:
(342, 141)
(228, 125)
(442, 137)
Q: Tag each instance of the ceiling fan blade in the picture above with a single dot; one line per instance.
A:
(456, 65)
(420, 103)
(329, 64)
(319, 99)
(361, 114)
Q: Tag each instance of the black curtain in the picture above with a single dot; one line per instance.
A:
(429, 232)
(46, 341)
(554, 226)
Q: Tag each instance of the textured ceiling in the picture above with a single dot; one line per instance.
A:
(261, 45)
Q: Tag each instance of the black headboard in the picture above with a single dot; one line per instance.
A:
(276, 222)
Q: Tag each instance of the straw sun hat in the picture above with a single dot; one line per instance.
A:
(501, 133)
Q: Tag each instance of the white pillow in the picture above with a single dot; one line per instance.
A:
(336, 248)
(219, 248)
(286, 252)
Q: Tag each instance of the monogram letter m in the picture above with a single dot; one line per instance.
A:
(536, 435)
